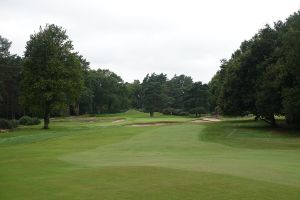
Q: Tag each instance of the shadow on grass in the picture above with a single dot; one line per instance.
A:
(250, 133)
(282, 128)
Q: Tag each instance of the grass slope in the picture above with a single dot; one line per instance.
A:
(107, 158)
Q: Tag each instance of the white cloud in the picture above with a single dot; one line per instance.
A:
(136, 37)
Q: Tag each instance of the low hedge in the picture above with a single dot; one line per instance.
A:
(172, 111)
(26, 120)
(8, 124)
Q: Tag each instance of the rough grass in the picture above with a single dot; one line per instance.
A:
(102, 159)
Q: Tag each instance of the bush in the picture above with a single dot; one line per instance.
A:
(168, 111)
(172, 111)
(198, 111)
(14, 123)
(26, 120)
(183, 113)
(8, 124)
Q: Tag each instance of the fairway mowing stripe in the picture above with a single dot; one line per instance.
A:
(179, 147)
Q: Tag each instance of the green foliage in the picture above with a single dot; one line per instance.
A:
(135, 94)
(288, 65)
(177, 96)
(262, 76)
(5, 124)
(197, 99)
(10, 68)
(52, 73)
(176, 90)
(154, 96)
(198, 111)
(8, 124)
(214, 89)
(174, 111)
(26, 120)
(105, 92)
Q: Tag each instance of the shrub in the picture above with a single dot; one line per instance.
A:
(26, 120)
(198, 111)
(14, 123)
(183, 113)
(168, 111)
(172, 111)
(36, 120)
(8, 124)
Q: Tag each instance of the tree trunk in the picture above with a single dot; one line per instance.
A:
(273, 121)
(71, 110)
(46, 117)
(270, 120)
(77, 108)
(46, 121)
(151, 113)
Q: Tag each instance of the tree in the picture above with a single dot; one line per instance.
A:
(176, 90)
(289, 68)
(135, 94)
(154, 97)
(214, 90)
(52, 74)
(105, 92)
(268, 96)
(10, 67)
(4, 48)
(82, 101)
(262, 76)
(197, 99)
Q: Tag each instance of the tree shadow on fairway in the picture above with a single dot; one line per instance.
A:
(251, 134)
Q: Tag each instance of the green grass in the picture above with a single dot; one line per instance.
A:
(105, 157)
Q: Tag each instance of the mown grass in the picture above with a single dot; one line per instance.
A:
(249, 133)
(110, 159)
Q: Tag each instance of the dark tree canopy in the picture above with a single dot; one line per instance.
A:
(197, 99)
(10, 72)
(52, 75)
(105, 92)
(177, 88)
(154, 97)
(262, 76)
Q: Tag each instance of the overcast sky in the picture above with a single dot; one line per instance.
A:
(136, 37)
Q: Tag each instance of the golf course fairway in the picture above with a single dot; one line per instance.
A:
(131, 156)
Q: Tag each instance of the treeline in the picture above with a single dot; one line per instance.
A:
(177, 96)
(52, 79)
(10, 74)
(262, 77)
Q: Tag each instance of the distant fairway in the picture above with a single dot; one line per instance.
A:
(105, 157)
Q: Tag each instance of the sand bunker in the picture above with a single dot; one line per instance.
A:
(88, 119)
(206, 120)
(118, 121)
(212, 119)
(152, 124)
